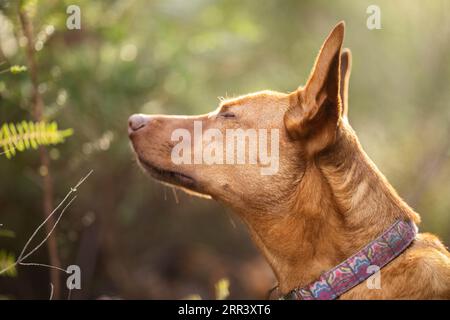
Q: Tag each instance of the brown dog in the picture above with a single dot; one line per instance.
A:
(326, 201)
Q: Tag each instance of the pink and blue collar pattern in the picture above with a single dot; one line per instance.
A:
(354, 270)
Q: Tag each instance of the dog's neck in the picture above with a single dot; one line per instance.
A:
(342, 203)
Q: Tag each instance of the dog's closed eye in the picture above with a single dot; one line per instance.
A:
(227, 115)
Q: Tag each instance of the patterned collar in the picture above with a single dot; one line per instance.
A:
(354, 270)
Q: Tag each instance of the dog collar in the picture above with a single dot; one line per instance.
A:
(355, 269)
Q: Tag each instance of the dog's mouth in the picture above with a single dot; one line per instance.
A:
(177, 179)
(168, 176)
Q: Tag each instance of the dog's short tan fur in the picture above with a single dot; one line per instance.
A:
(328, 199)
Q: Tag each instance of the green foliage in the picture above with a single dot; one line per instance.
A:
(6, 260)
(222, 289)
(17, 69)
(26, 135)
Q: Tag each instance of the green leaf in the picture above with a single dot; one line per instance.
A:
(6, 260)
(17, 69)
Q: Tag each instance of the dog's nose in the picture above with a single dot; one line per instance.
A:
(136, 122)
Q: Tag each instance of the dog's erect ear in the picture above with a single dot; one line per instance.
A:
(317, 109)
(346, 68)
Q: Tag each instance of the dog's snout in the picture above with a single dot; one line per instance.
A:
(136, 122)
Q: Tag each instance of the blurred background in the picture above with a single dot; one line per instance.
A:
(134, 238)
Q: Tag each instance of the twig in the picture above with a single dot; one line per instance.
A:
(23, 256)
(51, 291)
(35, 264)
(174, 191)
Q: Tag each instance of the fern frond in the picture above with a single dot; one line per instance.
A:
(26, 135)
(7, 260)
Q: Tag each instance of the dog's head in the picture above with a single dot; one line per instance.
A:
(251, 152)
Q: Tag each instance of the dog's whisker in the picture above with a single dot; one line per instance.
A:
(232, 222)
(175, 195)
